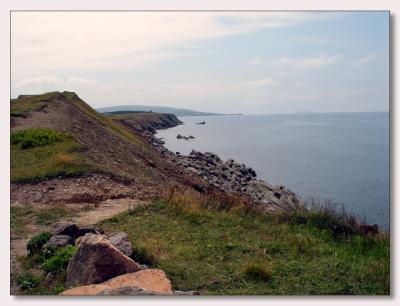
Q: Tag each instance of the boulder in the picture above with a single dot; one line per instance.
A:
(145, 282)
(58, 241)
(97, 260)
(121, 242)
(65, 228)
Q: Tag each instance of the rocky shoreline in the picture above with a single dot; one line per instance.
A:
(229, 176)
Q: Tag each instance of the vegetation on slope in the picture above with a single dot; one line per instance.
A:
(226, 250)
(43, 153)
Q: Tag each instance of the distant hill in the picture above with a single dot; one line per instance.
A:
(179, 112)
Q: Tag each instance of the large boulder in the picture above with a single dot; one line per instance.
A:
(121, 242)
(58, 241)
(145, 282)
(97, 260)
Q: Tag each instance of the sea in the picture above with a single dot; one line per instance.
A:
(340, 157)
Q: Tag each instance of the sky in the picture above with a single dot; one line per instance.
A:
(228, 62)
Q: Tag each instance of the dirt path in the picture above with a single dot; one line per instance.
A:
(101, 211)
(105, 210)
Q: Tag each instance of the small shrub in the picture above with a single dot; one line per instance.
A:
(35, 244)
(59, 261)
(36, 137)
(28, 281)
(258, 272)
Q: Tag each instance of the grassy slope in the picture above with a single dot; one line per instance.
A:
(61, 158)
(41, 162)
(222, 252)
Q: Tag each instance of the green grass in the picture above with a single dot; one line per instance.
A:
(59, 261)
(38, 154)
(36, 137)
(223, 251)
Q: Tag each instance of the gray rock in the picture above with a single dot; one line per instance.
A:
(65, 228)
(121, 242)
(58, 241)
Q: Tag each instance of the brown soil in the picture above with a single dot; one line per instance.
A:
(89, 188)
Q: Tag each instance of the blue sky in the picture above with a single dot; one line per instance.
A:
(252, 63)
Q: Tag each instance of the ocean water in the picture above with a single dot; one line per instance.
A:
(342, 157)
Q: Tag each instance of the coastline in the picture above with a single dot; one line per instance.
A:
(228, 176)
(232, 177)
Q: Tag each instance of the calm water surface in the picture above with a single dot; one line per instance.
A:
(343, 157)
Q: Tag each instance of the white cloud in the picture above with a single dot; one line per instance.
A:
(79, 80)
(255, 61)
(263, 82)
(38, 81)
(46, 83)
(364, 60)
(46, 42)
(308, 62)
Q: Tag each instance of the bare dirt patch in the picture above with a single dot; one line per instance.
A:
(89, 188)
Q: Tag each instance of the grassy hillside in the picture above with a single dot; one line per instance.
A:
(228, 251)
(95, 142)
(44, 153)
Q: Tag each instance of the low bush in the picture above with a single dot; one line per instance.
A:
(28, 281)
(34, 245)
(59, 261)
(36, 137)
